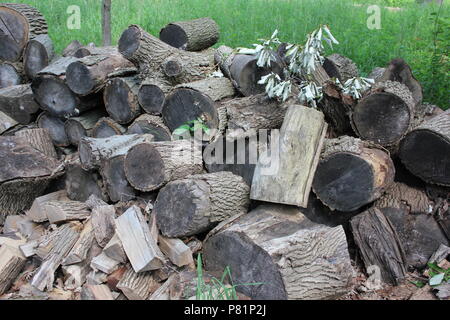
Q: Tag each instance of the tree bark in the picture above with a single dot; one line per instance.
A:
(272, 245)
(39, 139)
(92, 50)
(121, 99)
(71, 48)
(340, 67)
(159, 59)
(10, 75)
(137, 286)
(20, 23)
(82, 126)
(55, 127)
(202, 202)
(90, 74)
(149, 166)
(425, 151)
(65, 211)
(278, 178)
(352, 173)
(148, 124)
(107, 127)
(18, 102)
(385, 114)
(11, 264)
(38, 54)
(192, 35)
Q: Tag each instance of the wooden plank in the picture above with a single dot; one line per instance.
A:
(288, 178)
(138, 243)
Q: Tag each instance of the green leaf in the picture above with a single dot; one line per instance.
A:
(437, 279)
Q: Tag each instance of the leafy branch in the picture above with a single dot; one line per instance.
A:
(191, 127)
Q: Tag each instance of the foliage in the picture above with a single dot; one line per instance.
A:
(355, 87)
(191, 127)
(436, 276)
(264, 52)
(217, 289)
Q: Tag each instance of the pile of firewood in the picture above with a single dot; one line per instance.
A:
(100, 200)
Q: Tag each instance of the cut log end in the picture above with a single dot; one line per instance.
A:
(151, 98)
(175, 36)
(129, 41)
(9, 76)
(79, 78)
(120, 101)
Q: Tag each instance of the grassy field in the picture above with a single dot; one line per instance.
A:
(408, 33)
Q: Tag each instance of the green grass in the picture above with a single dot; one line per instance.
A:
(407, 33)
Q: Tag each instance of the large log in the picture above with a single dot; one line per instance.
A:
(425, 151)
(192, 35)
(20, 23)
(398, 70)
(195, 100)
(53, 95)
(92, 50)
(40, 139)
(340, 67)
(278, 177)
(94, 150)
(243, 70)
(25, 173)
(152, 94)
(121, 99)
(162, 60)
(149, 124)
(149, 166)
(285, 254)
(203, 201)
(89, 74)
(55, 127)
(115, 180)
(38, 54)
(352, 173)
(82, 126)
(139, 245)
(10, 75)
(385, 114)
(379, 245)
(18, 102)
(107, 127)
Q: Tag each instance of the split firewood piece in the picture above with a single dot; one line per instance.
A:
(107, 127)
(20, 23)
(163, 292)
(94, 150)
(11, 263)
(419, 234)
(177, 252)
(385, 114)
(121, 99)
(139, 245)
(38, 54)
(114, 249)
(104, 263)
(6, 122)
(96, 292)
(279, 178)
(149, 124)
(340, 67)
(425, 151)
(92, 50)
(64, 239)
(81, 184)
(352, 173)
(203, 201)
(267, 256)
(234, 153)
(96, 277)
(379, 245)
(18, 102)
(55, 127)
(254, 113)
(103, 223)
(25, 173)
(149, 166)
(81, 248)
(115, 277)
(63, 211)
(191, 35)
(195, 100)
(243, 70)
(40, 139)
(115, 180)
(11, 223)
(152, 94)
(89, 74)
(10, 74)
(29, 249)
(398, 70)
(137, 286)
(12, 239)
(82, 126)
(94, 201)
(162, 60)
(71, 48)
(53, 95)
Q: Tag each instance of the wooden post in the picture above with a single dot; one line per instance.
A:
(106, 22)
